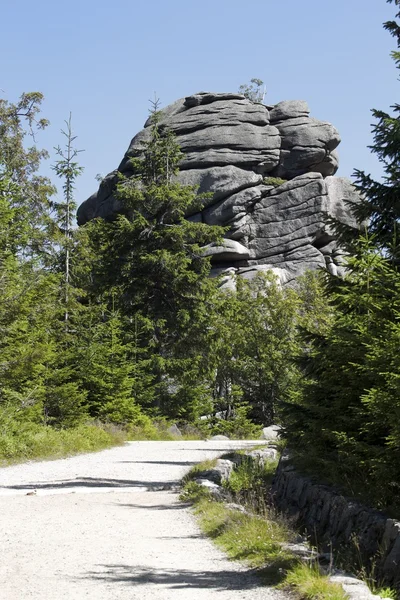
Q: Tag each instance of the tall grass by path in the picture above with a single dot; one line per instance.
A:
(260, 539)
(35, 442)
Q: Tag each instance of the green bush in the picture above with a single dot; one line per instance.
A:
(238, 427)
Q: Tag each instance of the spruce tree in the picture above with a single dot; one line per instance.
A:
(345, 417)
(379, 207)
(149, 260)
(27, 290)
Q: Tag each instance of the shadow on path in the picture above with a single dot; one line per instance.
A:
(175, 578)
(185, 463)
(180, 506)
(93, 482)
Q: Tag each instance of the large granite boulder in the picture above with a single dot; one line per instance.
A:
(269, 174)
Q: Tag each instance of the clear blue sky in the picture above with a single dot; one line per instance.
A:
(104, 60)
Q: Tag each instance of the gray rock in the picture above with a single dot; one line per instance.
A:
(228, 251)
(219, 182)
(340, 195)
(220, 112)
(174, 430)
(220, 473)
(354, 588)
(271, 433)
(227, 277)
(264, 455)
(307, 145)
(215, 490)
(209, 97)
(236, 204)
(219, 438)
(289, 109)
(229, 145)
(301, 550)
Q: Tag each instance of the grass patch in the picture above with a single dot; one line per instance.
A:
(244, 536)
(35, 442)
(385, 592)
(309, 584)
(275, 181)
(251, 475)
(194, 492)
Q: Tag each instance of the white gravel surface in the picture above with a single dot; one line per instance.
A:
(109, 526)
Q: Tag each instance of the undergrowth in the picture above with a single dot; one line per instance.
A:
(353, 482)
(243, 536)
(259, 539)
(251, 478)
(158, 430)
(31, 441)
(274, 181)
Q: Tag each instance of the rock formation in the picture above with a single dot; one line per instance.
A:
(271, 173)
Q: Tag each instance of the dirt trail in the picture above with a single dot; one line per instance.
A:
(109, 526)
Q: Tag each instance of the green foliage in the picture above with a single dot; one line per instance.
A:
(194, 492)
(254, 91)
(150, 260)
(252, 345)
(145, 428)
(27, 441)
(67, 169)
(343, 420)
(34, 384)
(252, 476)
(275, 181)
(237, 425)
(351, 420)
(28, 194)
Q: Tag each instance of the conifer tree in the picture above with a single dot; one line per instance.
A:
(68, 169)
(345, 418)
(379, 207)
(150, 258)
(27, 291)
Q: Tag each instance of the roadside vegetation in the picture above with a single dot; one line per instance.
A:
(35, 442)
(255, 534)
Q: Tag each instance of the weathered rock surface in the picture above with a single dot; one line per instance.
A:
(271, 433)
(219, 473)
(337, 522)
(234, 150)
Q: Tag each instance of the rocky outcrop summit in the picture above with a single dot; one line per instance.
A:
(270, 170)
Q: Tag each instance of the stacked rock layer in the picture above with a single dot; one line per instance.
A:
(269, 172)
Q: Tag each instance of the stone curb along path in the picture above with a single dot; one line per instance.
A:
(109, 526)
(355, 588)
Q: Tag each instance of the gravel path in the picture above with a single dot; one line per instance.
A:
(109, 526)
